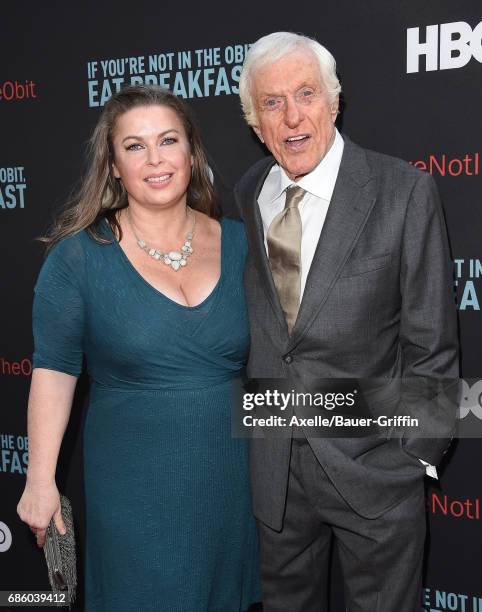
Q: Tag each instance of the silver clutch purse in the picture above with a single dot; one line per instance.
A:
(60, 556)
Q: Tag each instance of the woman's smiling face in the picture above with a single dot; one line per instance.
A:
(152, 156)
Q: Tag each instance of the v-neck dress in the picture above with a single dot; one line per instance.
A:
(168, 515)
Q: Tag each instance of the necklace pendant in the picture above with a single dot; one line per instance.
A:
(175, 259)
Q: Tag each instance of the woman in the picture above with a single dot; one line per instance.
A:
(145, 283)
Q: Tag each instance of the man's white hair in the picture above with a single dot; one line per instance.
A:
(273, 47)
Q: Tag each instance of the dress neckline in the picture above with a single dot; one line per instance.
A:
(131, 266)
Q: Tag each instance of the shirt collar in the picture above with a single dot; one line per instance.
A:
(320, 182)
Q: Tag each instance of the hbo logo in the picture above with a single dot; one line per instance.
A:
(5, 537)
(452, 47)
(471, 400)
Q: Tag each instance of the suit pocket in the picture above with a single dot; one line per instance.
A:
(362, 266)
(414, 460)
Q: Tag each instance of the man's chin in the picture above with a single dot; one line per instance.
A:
(297, 173)
(298, 167)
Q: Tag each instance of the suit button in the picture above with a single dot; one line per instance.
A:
(288, 358)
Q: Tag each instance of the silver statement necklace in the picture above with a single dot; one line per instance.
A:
(175, 259)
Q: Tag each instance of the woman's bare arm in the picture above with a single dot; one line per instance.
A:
(49, 406)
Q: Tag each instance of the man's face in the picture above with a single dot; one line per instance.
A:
(294, 117)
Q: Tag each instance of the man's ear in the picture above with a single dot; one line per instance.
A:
(258, 133)
(334, 108)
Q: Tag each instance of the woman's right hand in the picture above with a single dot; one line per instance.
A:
(38, 504)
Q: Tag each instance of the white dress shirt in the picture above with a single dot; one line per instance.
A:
(319, 185)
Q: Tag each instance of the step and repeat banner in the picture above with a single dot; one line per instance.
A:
(411, 78)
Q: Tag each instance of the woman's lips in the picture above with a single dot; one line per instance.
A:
(158, 181)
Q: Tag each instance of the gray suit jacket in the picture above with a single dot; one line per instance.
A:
(378, 302)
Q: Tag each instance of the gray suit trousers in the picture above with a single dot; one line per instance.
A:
(381, 558)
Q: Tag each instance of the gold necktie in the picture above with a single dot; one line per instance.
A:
(284, 252)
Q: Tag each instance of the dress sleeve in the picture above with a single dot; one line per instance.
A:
(58, 309)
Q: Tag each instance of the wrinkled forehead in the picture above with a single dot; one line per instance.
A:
(293, 69)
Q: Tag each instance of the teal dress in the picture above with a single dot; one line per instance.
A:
(168, 517)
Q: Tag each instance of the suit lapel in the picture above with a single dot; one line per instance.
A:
(254, 230)
(351, 203)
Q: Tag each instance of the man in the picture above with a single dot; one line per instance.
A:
(348, 276)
